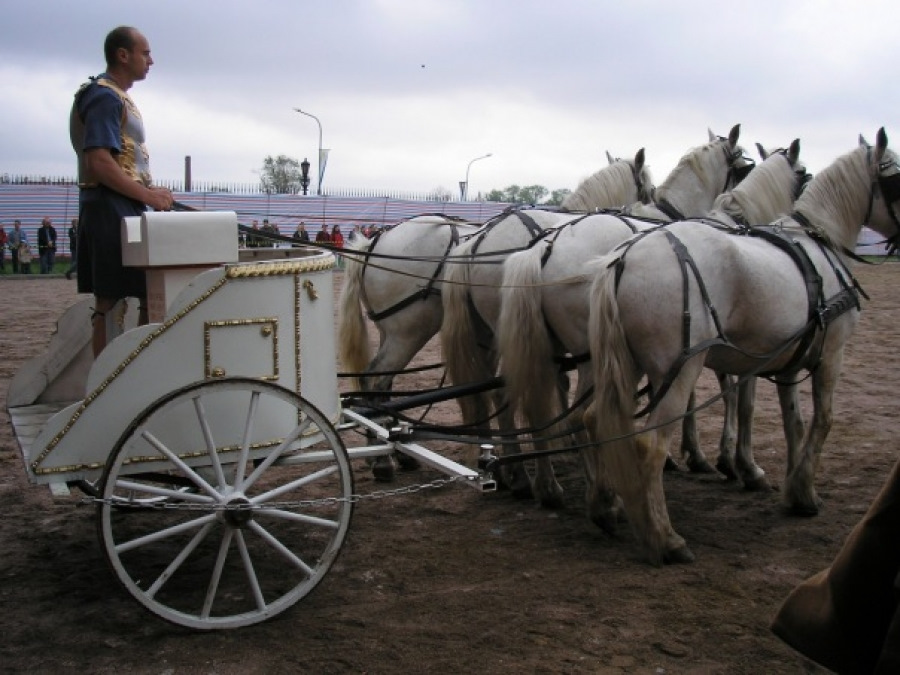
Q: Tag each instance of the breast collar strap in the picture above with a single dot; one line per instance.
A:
(669, 210)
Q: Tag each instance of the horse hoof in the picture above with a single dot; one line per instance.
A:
(521, 491)
(552, 501)
(678, 556)
(726, 470)
(757, 485)
(383, 470)
(607, 520)
(700, 466)
(671, 464)
(408, 463)
(803, 510)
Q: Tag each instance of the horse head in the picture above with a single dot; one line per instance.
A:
(624, 181)
(884, 196)
(701, 176)
(859, 188)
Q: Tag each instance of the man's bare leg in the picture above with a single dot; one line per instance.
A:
(98, 320)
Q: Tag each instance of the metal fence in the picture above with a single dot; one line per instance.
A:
(238, 188)
(31, 201)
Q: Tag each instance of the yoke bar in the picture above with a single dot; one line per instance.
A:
(426, 398)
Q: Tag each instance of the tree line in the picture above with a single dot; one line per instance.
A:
(282, 175)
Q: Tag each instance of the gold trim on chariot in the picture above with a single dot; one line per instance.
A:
(236, 271)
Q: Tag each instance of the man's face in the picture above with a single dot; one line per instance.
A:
(138, 60)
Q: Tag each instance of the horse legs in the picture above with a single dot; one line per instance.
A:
(635, 467)
(799, 489)
(690, 443)
(644, 498)
(393, 355)
(513, 477)
(753, 477)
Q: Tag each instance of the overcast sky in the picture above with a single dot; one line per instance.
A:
(408, 92)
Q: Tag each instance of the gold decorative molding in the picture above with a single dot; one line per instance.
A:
(268, 328)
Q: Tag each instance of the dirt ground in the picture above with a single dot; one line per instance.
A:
(453, 581)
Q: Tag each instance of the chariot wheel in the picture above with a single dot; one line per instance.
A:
(244, 496)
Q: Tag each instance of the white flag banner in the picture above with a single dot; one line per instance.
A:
(323, 160)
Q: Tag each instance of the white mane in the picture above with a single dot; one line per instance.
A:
(612, 185)
(704, 161)
(836, 200)
(765, 194)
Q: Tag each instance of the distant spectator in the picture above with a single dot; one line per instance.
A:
(337, 240)
(252, 237)
(300, 235)
(46, 241)
(266, 229)
(73, 248)
(15, 239)
(3, 244)
(355, 234)
(322, 236)
(24, 258)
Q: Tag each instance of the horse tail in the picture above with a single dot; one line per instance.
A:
(616, 376)
(465, 360)
(523, 338)
(353, 337)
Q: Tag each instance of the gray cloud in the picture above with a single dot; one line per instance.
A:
(546, 87)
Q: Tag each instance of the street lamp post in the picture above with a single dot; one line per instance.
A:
(304, 175)
(464, 185)
(319, 179)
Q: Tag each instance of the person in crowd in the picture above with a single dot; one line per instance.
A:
(355, 234)
(114, 176)
(3, 245)
(267, 229)
(322, 236)
(24, 257)
(337, 240)
(46, 242)
(300, 235)
(15, 239)
(73, 248)
(253, 237)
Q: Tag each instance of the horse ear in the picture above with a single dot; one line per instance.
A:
(639, 160)
(763, 155)
(609, 158)
(863, 142)
(712, 136)
(881, 142)
(734, 134)
(794, 152)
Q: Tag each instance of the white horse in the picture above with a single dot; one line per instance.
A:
(544, 315)
(397, 277)
(778, 303)
(472, 302)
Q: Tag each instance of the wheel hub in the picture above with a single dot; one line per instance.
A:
(237, 512)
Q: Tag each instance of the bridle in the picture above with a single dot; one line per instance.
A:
(802, 176)
(889, 187)
(735, 173)
(645, 195)
(733, 177)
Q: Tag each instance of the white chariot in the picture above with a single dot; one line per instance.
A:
(208, 438)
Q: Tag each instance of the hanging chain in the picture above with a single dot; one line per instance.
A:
(167, 504)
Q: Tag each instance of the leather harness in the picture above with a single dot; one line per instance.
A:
(820, 314)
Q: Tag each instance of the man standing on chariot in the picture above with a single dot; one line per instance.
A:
(113, 176)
